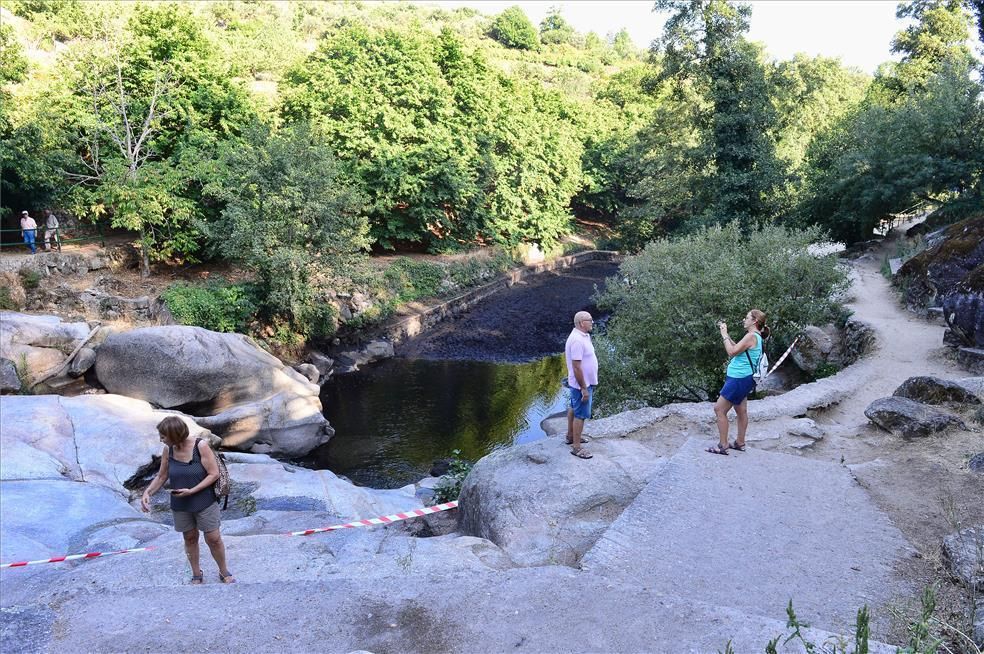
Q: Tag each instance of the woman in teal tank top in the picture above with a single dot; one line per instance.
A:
(739, 382)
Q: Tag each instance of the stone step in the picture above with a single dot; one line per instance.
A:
(755, 529)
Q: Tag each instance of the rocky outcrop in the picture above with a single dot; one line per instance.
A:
(908, 418)
(963, 553)
(543, 506)
(9, 381)
(68, 465)
(813, 349)
(246, 396)
(933, 390)
(39, 345)
(928, 277)
(100, 439)
(963, 309)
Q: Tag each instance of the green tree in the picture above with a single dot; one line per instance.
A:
(662, 343)
(738, 172)
(939, 35)
(513, 29)
(623, 45)
(916, 137)
(288, 214)
(446, 148)
(555, 30)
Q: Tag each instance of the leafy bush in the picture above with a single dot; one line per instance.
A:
(6, 301)
(30, 279)
(662, 343)
(217, 306)
(513, 29)
(450, 487)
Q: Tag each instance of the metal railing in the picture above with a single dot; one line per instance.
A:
(59, 236)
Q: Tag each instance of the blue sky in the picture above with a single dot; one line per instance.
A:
(858, 31)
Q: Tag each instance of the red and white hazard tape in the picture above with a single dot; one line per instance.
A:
(73, 557)
(381, 520)
(783, 357)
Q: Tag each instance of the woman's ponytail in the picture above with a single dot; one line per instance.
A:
(759, 318)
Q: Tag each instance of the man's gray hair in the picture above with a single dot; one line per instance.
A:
(580, 317)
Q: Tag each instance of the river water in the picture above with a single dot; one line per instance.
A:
(393, 419)
(477, 383)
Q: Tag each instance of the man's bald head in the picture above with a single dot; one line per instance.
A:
(582, 317)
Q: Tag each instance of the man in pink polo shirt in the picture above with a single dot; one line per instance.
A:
(582, 377)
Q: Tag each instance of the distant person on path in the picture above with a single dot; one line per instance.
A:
(191, 469)
(582, 378)
(739, 380)
(29, 230)
(50, 230)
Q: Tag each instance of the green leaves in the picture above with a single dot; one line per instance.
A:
(662, 343)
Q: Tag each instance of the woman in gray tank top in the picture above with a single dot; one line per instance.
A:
(190, 468)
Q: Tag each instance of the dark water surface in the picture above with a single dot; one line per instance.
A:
(393, 419)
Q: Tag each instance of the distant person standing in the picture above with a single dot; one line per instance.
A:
(29, 230)
(51, 230)
(582, 378)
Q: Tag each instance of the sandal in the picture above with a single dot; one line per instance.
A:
(227, 579)
(718, 449)
(584, 439)
(580, 453)
(198, 579)
(736, 446)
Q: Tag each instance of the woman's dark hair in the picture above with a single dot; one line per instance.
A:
(173, 429)
(759, 318)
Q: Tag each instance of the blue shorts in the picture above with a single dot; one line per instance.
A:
(736, 389)
(582, 409)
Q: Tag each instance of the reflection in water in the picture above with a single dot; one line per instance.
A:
(393, 419)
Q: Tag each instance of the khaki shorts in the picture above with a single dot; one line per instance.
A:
(207, 520)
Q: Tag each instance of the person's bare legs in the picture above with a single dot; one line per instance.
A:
(214, 541)
(721, 408)
(741, 411)
(570, 425)
(191, 549)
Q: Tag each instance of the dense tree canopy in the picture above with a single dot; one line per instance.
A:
(456, 128)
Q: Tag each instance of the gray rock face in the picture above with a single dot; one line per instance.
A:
(85, 359)
(908, 418)
(971, 359)
(309, 372)
(933, 390)
(813, 349)
(321, 362)
(9, 381)
(963, 553)
(243, 394)
(41, 342)
(859, 340)
(963, 309)
(377, 350)
(543, 506)
(979, 627)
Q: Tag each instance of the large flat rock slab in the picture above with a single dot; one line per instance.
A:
(754, 529)
(416, 610)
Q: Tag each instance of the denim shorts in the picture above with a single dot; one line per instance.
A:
(736, 389)
(582, 409)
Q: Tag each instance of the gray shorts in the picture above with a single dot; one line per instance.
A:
(206, 520)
